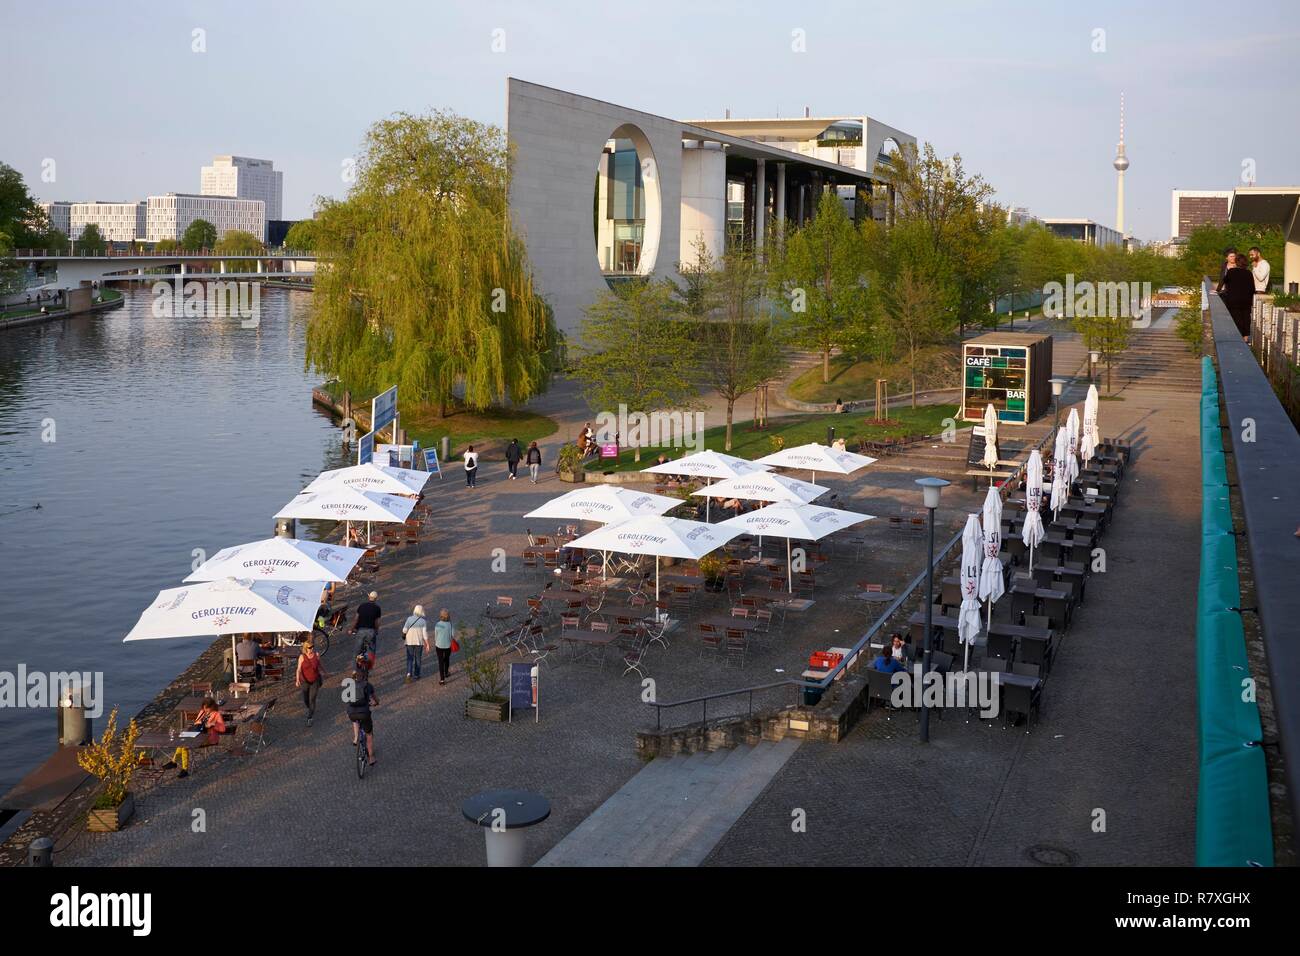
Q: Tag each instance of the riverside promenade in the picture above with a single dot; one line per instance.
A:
(1117, 732)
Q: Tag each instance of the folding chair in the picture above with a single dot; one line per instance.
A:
(710, 640)
(736, 643)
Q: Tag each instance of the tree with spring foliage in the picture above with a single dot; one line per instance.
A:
(421, 281)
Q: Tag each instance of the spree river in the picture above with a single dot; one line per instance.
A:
(170, 435)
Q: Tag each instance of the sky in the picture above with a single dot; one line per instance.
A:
(129, 100)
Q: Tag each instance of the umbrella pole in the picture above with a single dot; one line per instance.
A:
(1031, 559)
(657, 611)
(708, 500)
(789, 569)
(965, 662)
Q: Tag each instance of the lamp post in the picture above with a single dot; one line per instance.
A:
(1058, 386)
(1093, 356)
(930, 491)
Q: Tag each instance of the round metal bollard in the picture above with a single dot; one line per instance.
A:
(504, 815)
(40, 852)
(74, 725)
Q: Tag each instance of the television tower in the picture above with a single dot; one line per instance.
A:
(1121, 164)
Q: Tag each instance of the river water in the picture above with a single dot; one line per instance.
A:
(170, 434)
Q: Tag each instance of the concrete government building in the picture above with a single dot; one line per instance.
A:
(601, 192)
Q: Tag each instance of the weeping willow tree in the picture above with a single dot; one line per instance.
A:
(421, 283)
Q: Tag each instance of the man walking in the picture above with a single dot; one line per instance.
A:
(513, 454)
(534, 461)
(471, 466)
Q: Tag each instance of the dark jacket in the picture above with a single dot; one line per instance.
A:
(534, 456)
(1237, 290)
(513, 452)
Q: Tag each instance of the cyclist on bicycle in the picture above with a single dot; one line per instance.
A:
(359, 712)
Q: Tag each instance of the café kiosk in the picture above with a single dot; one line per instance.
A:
(1011, 371)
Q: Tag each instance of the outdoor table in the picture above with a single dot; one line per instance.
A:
(682, 580)
(874, 597)
(562, 596)
(1023, 680)
(624, 613)
(594, 641)
(155, 741)
(504, 815)
(793, 604)
(723, 622)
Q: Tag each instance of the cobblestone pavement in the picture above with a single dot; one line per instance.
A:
(1118, 729)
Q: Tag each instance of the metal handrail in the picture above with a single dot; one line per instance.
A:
(832, 674)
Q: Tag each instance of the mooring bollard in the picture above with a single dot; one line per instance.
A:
(40, 852)
(74, 725)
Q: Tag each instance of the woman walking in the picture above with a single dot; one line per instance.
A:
(534, 460)
(1237, 290)
(309, 676)
(471, 466)
(416, 633)
(443, 636)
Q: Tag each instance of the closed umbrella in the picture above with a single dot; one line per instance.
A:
(794, 521)
(1091, 436)
(991, 585)
(1032, 533)
(972, 554)
(1060, 471)
(1072, 430)
(657, 535)
(711, 466)
(815, 458)
(280, 559)
(990, 460)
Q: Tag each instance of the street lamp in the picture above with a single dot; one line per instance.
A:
(930, 491)
(1058, 386)
(1093, 357)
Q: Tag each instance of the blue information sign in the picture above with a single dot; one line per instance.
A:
(383, 409)
(366, 448)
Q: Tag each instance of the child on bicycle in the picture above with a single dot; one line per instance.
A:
(359, 711)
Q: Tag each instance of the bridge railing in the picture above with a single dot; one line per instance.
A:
(276, 253)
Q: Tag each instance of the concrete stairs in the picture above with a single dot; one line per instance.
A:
(675, 810)
(1155, 358)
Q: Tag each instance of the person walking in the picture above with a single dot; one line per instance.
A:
(534, 461)
(417, 642)
(444, 636)
(1237, 290)
(471, 466)
(513, 454)
(309, 676)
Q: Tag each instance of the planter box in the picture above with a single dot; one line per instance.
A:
(575, 476)
(486, 710)
(110, 821)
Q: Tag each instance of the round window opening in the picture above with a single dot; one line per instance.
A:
(625, 207)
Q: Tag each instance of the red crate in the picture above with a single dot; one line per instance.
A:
(824, 660)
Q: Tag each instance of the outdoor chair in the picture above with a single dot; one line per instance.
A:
(880, 687)
(634, 660)
(655, 631)
(1025, 669)
(740, 612)
(1022, 603)
(1036, 653)
(1000, 646)
(1016, 699)
(569, 622)
(247, 668)
(994, 664)
(530, 561)
(710, 640)
(1037, 620)
(201, 688)
(764, 616)
(412, 535)
(736, 644)
(1058, 611)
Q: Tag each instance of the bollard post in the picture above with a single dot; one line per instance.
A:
(830, 434)
(74, 725)
(446, 448)
(40, 852)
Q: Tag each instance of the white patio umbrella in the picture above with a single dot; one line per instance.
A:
(1060, 472)
(990, 460)
(1032, 534)
(991, 585)
(230, 606)
(373, 477)
(764, 486)
(817, 458)
(1091, 436)
(791, 520)
(657, 535)
(711, 466)
(342, 503)
(604, 503)
(972, 554)
(280, 559)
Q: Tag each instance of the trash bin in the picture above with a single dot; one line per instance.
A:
(812, 696)
(40, 852)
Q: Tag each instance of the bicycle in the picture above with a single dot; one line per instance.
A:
(363, 758)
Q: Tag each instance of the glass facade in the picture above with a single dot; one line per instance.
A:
(620, 201)
(998, 376)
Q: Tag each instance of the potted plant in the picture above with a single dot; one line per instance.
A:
(569, 464)
(714, 572)
(486, 680)
(113, 760)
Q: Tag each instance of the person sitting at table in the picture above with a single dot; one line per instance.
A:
(887, 663)
(209, 719)
(249, 650)
(900, 649)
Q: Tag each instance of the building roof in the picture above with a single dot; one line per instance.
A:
(1271, 204)
(1007, 338)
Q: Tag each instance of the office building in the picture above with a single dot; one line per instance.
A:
(1197, 207)
(1085, 231)
(244, 178)
(170, 215)
(117, 221)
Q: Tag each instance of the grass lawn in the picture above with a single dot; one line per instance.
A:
(936, 367)
(747, 442)
(423, 423)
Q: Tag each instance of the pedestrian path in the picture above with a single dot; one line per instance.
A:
(674, 812)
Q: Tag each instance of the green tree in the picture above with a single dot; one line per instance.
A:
(301, 236)
(739, 347)
(21, 218)
(237, 242)
(200, 234)
(914, 303)
(1203, 254)
(92, 241)
(818, 273)
(424, 284)
(634, 352)
(165, 246)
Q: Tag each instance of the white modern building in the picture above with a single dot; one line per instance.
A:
(244, 178)
(1021, 216)
(170, 215)
(59, 215)
(1086, 231)
(600, 192)
(117, 221)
